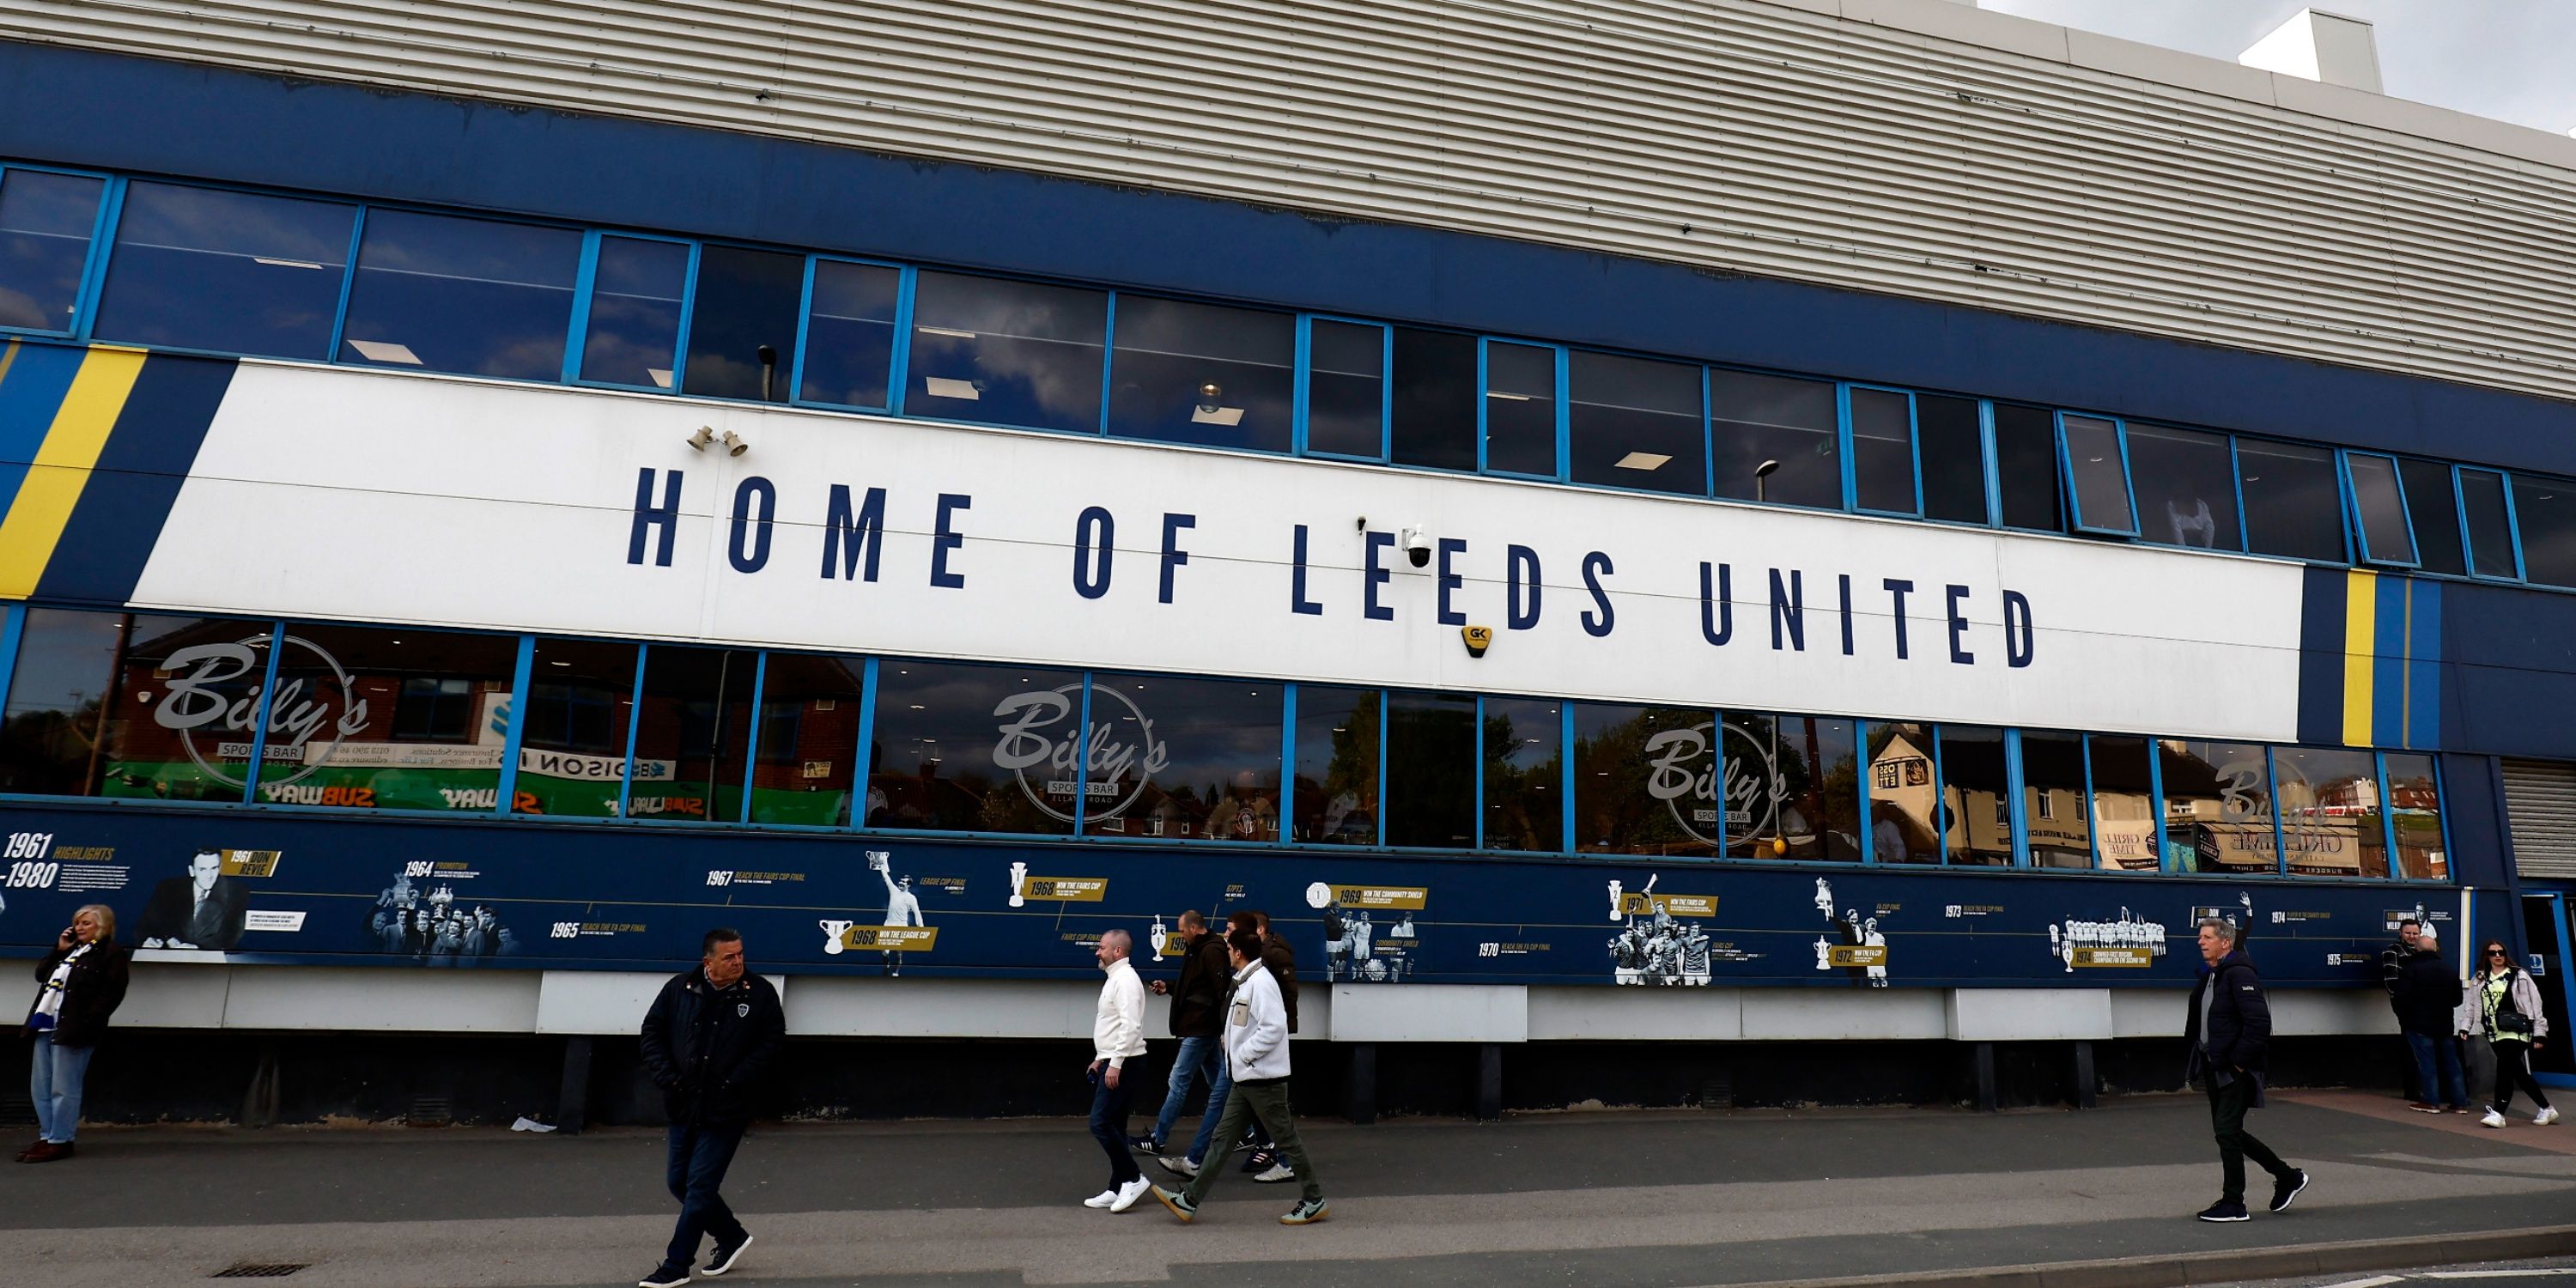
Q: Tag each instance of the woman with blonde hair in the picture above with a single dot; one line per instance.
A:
(83, 981)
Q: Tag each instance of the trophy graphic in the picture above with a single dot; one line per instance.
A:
(1019, 883)
(833, 932)
(1616, 907)
(1160, 935)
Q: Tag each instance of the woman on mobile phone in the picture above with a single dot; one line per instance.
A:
(83, 981)
(2504, 1004)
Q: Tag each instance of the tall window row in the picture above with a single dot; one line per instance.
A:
(157, 707)
(134, 261)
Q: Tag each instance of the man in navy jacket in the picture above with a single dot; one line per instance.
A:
(711, 1036)
(2229, 1029)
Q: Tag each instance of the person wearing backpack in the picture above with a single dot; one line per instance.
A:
(2504, 1004)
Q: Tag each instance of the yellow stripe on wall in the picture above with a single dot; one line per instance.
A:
(2360, 637)
(62, 466)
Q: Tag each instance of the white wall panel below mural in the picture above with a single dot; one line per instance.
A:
(1924, 149)
(583, 512)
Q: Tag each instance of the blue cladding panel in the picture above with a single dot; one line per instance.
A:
(196, 121)
(2389, 674)
(31, 392)
(2321, 601)
(2510, 659)
(128, 497)
(2424, 665)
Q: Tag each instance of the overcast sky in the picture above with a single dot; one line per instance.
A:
(2513, 60)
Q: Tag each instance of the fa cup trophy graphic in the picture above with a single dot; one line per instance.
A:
(1019, 883)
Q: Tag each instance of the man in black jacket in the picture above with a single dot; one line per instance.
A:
(708, 1039)
(1198, 1005)
(2428, 991)
(2228, 1030)
(2392, 963)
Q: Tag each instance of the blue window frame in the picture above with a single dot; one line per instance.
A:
(632, 321)
(1879, 442)
(746, 307)
(2095, 451)
(2380, 517)
(1208, 375)
(1636, 423)
(2544, 522)
(227, 271)
(2432, 503)
(846, 355)
(1344, 398)
(1001, 352)
(478, 297)
(1520, 420)
(49, 220)
(2292, 500)
(1953, 452)
(2487, 520)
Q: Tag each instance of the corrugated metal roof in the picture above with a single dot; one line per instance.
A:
(1763, 138)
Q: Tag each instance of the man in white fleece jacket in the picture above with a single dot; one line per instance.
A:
(1256, 1051)
(1117, 1035)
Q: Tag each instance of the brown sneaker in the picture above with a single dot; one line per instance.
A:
(45, 1152)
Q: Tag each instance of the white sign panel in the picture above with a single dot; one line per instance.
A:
(455, 502)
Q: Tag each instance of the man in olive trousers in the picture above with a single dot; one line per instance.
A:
(1256, 1050)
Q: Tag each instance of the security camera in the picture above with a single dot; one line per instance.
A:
(1417, 546)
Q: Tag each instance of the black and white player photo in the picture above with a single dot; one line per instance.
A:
(201, 908)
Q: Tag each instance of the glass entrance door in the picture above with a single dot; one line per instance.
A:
(2546, 943)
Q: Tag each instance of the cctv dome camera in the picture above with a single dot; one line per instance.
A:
(1417, 546)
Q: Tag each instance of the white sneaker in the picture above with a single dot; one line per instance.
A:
(2545, 1117)
(1102, 1199)
(1274, 1174)
(1178, 1165)
(2493, 1119)
(1126, 1195)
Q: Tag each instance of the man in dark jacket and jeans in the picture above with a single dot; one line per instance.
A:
(2228, 1029)
(1198, 1003)
(710, 1036)
(2428, 990)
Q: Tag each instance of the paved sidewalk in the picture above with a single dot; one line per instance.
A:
(1644, 1199)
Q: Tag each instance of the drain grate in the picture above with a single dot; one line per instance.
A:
(430, 1111)
(259, 1269)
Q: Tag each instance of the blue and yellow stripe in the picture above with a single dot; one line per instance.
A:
(94, 444)
(2370, 669)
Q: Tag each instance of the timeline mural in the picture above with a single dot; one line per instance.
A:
(221, 886)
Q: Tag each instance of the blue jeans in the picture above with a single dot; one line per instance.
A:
(1109, 1123)
(1190, 1068)
(699, 1157)
(54, 1083)
(1215, 1109)
(2439, 1052)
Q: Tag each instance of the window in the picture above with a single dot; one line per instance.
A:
(1882, 447)
(1346, 389)
(388, 718)
(1524, 774)
(201, 268)
(1645, 780)
(742, 323)
(1975, 789)
(2124, 803)
(2293, 504)
(1436, 399)
(632, 336)
(1635, 423)
(2053, 805)
(2218, 806)
(47, 221)
(2490, 524)
(2544, 510)
(2026, 472)
(2431, 503)
(1520, 409)
(809, 739)
(1337, 766)
(1431, 770)
(132, 705)
(2416, 807)
(473, 296)
(1952, 445)
(849, 335)
(1203, 374)
(1006, 353)
(962, 748)
(572, 758)
(2331, 824)
(2097, 475)
(1792, 788)
(2186, 488)
(1755, 421)
(2379, 503)
(1903, 797)
(1183, 759)
(693, 734)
